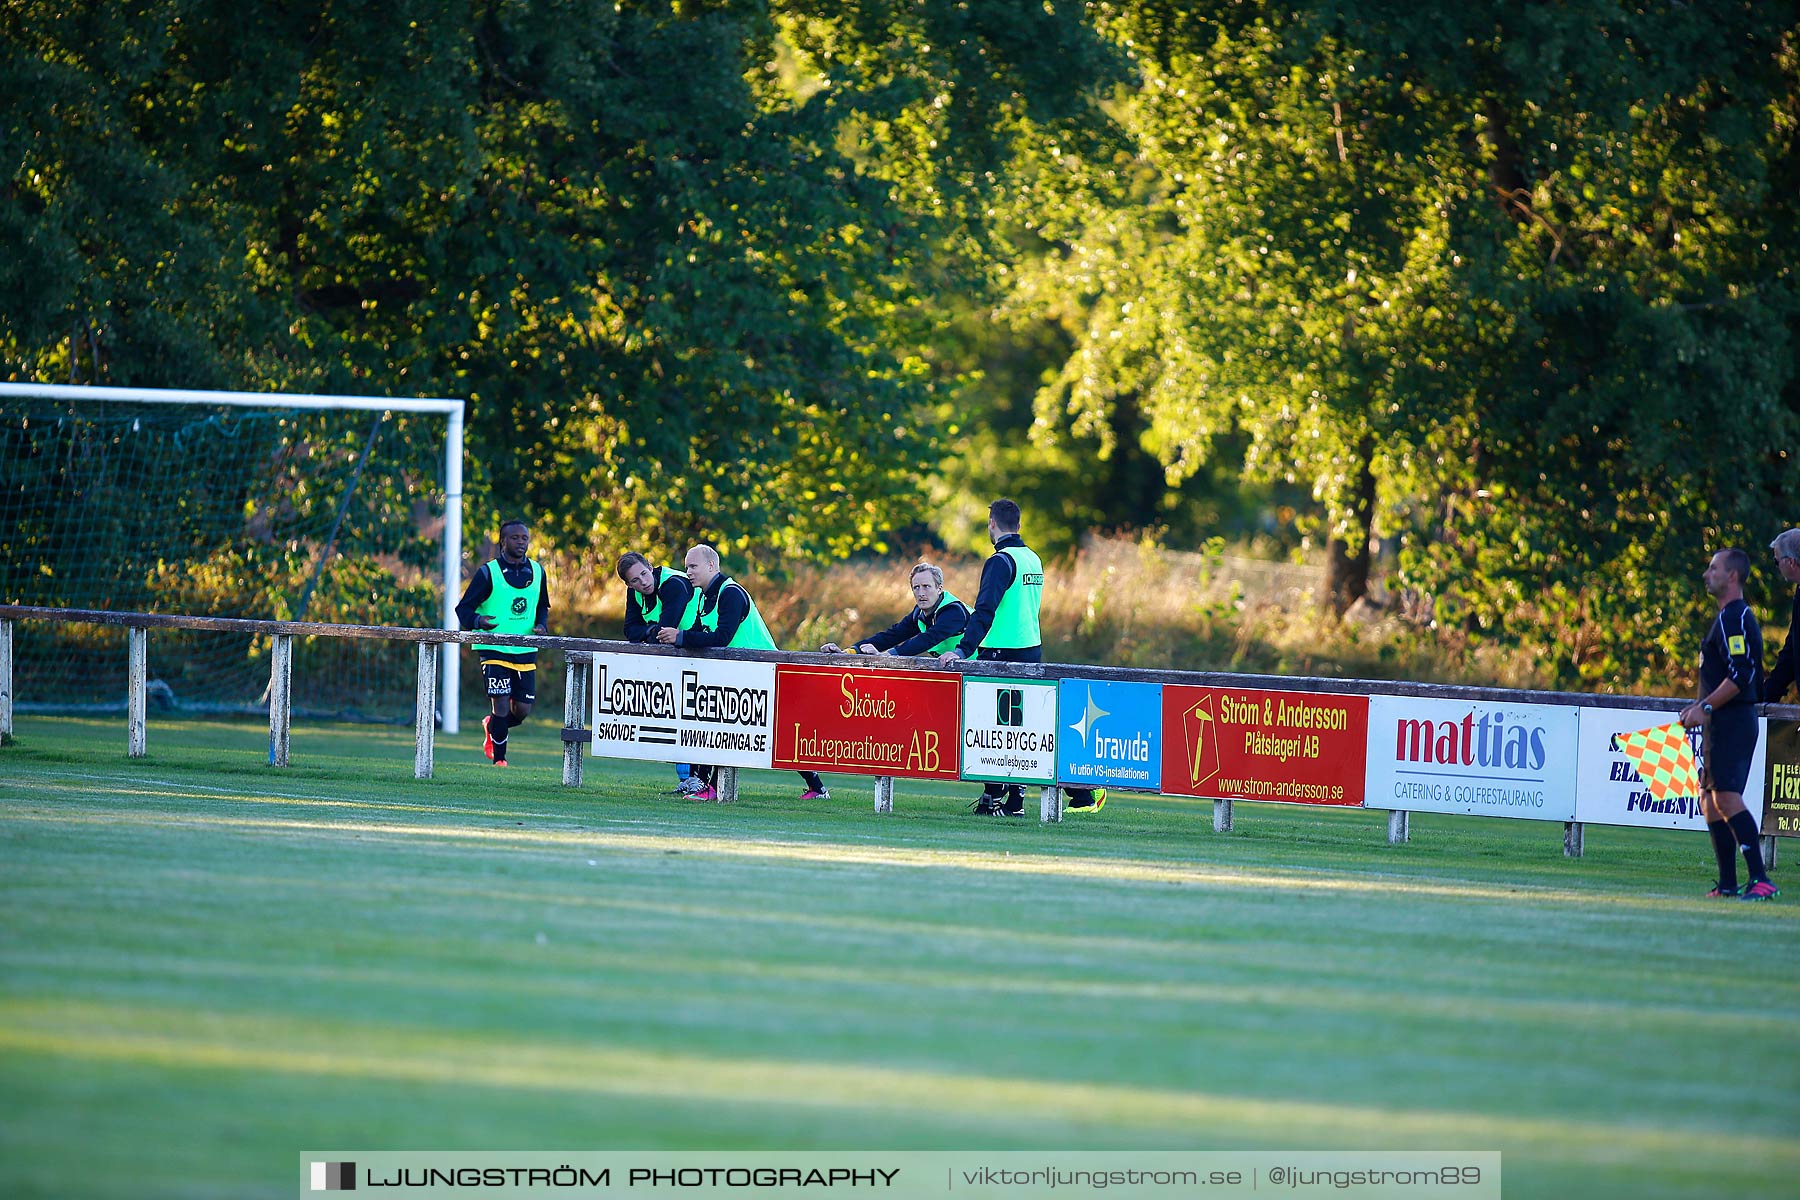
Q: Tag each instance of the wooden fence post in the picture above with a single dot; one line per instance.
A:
(1399, 827)
(137, 668)
(575, 684)
(1050, 805)
(725, 781)
(1769, 842)
(884, 793)
(425, 711)
(6, 682)
(281, 714)
(1221, 816)
(1572, 839)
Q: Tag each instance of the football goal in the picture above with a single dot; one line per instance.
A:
(343, 509)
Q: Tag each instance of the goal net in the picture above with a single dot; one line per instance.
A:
(275, 513)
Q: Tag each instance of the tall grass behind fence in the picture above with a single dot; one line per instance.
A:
(1119, 602)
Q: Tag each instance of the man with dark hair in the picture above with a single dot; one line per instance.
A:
(656, 597)
(1787, 560)
(507, 595)
(1730, 688)
(932, 627)
(1003, 627)
(722, 614)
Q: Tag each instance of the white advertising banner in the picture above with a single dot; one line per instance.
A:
(1610, 792)
(1473, 757)
(1009, 730)
(684, 710)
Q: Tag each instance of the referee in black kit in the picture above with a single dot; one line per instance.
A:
(1730, 689)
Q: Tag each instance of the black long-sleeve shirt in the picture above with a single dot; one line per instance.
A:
(733, 604)
(481, 586)
(997, 575)
(675, 592)
(1782, 677)
(947, 618)
(1733, 650)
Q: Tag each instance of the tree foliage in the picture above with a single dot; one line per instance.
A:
(1511, 285)
(1507, 287)
(677, 282)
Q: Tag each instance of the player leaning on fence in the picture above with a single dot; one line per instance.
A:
(507, 595)
(1787, 560)
(935, 623)
(1730, 688)
(1003, 627)
(655, 597)
(722, 614)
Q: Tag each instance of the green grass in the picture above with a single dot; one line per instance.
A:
(208, 965)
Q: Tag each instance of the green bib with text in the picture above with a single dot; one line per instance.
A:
(1015, 624)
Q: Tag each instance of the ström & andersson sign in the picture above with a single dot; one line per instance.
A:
(1244, 744)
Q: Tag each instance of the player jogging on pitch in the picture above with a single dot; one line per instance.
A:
(507, 595)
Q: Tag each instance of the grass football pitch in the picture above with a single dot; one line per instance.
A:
(208, 965)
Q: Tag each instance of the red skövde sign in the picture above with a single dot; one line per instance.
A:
(902, 723)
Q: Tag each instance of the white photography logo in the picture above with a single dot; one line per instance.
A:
(333, 1176)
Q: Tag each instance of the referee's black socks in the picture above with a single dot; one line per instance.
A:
(1744, 826)
(1725, 850)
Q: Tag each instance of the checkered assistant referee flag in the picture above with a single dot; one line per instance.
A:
(1664, 759)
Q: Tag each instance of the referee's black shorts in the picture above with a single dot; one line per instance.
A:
(1729, 748)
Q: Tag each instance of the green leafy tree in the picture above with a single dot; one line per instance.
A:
(679, 284)
(1505, 283)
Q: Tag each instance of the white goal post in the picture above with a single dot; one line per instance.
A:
(453, 470)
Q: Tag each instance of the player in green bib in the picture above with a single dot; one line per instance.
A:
(1003, 627)
(655, 597)
(507, 595)
(933, 626)
(722, 614)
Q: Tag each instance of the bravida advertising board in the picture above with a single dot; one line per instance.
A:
(1111, 734)
(1781, 783)
(1468, 756)
(1244, 744)
(1009, 730)
(1608, 790)
(683, 710)
(868, 722)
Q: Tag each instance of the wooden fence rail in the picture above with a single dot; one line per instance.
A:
(577, 670)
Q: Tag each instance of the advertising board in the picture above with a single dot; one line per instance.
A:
(1111, 734)
(1245, 744)
(683, 710)
(1009, 730)
(1609, 792)
(1469, 756)
(868, 722)
(1781, 781)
